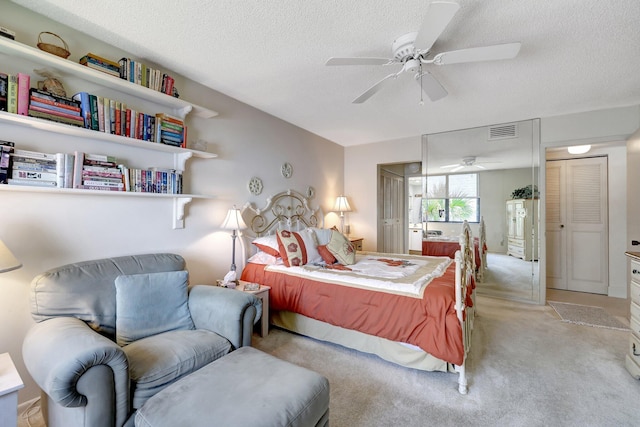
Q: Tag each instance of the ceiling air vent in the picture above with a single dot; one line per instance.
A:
(503, 132)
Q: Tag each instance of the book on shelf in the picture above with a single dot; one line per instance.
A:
(68, 104)
(33, 154)
(101, 60)
(34, 175)
(47, 97)
(5, 32)
(6, 148)
(100, 100)
(4, 92)
(12, 97)
(85, 107)
(52, 107)
(24, 84)
(33, 165)
(44, 108)
(56, 117)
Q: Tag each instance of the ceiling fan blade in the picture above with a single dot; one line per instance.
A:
(450, 166)
(479, 166)
(373, 89)
(457, 168)
(485, 53)
(359, 61)
(439, 14)
(431, 86)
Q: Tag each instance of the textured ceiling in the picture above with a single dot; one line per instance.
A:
(576, 55)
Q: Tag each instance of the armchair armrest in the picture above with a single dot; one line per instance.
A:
(226, 312)
(59, 351)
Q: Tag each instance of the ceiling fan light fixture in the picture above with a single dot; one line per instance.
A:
(579, 149)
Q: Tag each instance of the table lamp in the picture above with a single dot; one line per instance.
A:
(342, 206)
(233, 222)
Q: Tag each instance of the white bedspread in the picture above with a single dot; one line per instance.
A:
(372, 270)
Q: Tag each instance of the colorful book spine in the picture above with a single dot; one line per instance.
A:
(94, 112)
(54, 108)
(24, 84)
(4, 92)
(12, 98)
(85, 107)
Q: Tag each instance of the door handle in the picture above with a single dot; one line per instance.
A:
(561, 225)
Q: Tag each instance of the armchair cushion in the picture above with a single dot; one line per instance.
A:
(151, 303)
(159, 360)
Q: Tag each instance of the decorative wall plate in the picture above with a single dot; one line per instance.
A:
(287, 170)
(255, 186)
(311, 192)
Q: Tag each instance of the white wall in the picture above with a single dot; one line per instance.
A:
(48, 230)
(361, 181)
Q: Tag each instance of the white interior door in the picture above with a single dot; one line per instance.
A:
(577, 220)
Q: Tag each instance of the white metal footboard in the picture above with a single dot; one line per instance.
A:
(464, 278)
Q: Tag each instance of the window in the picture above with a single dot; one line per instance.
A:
(452, 198)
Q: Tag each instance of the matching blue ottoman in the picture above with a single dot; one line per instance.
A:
(246, 388)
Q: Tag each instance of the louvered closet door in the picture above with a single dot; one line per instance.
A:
(577, 219)
(391, 213)
(587, 265)
(555, 226)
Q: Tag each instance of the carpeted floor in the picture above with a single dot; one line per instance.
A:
(527, 368)
(586, 315)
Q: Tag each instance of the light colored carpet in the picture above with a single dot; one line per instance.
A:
(526, 368)
(509, 277)
(586, 315)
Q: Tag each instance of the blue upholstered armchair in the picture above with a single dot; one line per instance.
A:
(111, 333)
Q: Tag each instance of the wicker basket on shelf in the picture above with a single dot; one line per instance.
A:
(62, 52)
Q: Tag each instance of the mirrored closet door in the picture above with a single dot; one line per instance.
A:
(488, 172)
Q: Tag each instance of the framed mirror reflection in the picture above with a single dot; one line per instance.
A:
(487, 173)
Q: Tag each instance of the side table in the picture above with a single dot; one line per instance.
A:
(356, 242)
(263, 294)
(10, 383)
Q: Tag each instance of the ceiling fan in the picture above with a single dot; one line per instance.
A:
(412, 52)
(468, 161)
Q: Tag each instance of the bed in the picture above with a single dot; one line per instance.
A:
(436, 245)
(414, 311)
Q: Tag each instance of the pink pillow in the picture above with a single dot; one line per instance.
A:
(268, 244)
(326, 255)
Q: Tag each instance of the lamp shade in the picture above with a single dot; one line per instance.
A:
(8, 261)
(234, 220)
(342, 204)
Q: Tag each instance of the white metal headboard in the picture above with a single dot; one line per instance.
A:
(289, 210)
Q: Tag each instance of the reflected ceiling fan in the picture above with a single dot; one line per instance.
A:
(469, 161)
(412, 51)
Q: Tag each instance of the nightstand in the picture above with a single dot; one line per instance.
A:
(356, 242)
(263, 294)
(10, 383)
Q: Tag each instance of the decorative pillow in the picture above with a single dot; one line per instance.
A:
(264, 258)
(268, 244)
(152, 303)
(341, 248)
(323, 235)
(292, 248)
(326, 255)
(311, 245)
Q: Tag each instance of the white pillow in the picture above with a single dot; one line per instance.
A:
(268, 244)
(311, 244)
(264, 258)
(323, 235)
